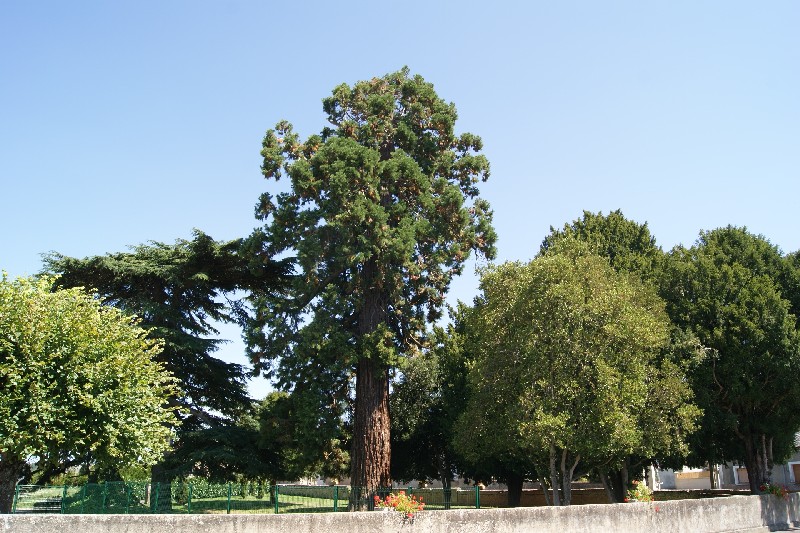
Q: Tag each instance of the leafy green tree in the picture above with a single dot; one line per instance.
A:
(629, 247)
(77, 376)
(382, 210)
(219, 453)
(177, 291)
(728, 290)
(273, 442)
(566, 350)
(790, 282)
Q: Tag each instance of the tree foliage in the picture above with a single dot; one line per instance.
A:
(567, 367)
(628, 245)
(76, 376)
(426, 401)
(179, 291)
(382, 210)
(728, 290)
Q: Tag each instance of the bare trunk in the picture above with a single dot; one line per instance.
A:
(545, 488)
(616, 482)
(758, 461)
(566, 476)
(554, 477)
(11, 469)
(371, 452)
(712, 469)
(566, 486)
(161, 489)
(514, 483)
(607, 486)
(447, 481)
(546, 493)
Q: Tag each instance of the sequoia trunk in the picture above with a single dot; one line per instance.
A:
(371, 452)
(369, 469)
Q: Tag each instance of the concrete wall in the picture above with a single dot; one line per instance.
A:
(735, 513)
(535, 498)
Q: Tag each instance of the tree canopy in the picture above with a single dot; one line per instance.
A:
(76, 376)
(566, 353)
(730, 291)
(627, 245)
(382, 210)
(181, 291)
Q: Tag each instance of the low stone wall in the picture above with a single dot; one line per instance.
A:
(535, 498)
(586, 496)
(715, 515)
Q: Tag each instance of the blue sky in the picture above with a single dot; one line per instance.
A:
(124, 122)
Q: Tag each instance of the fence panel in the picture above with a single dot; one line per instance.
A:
(38, 499)
(199, 496)
(309, 499)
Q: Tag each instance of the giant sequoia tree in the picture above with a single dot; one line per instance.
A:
(382, 210)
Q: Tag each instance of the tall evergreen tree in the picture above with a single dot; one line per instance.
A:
(733, 291)
(382, 210)
(179, 291)
(628, 245)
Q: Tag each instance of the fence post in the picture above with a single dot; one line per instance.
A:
(477, 497)
(16, 497)
(105, 494)
(229, 497)
(63, 498)
(335, 498)
(189, 501)
(277, 491)
(158, 493)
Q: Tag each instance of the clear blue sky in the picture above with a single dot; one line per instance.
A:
(123, 122)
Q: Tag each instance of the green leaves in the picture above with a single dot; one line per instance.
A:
(78, 376)
(567, 350)
(732, 290)
(384, 203)
(178, 290)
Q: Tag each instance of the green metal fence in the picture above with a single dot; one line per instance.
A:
(202, 497)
